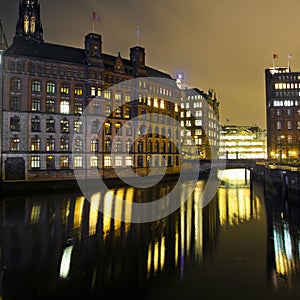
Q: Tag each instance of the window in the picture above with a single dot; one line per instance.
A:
(15, 103)
(50, 125)
(64, 162)
(78, 126)
(65, 89)
(289, 125)
(77, 161)
(118, 96)
(128, 129)
(128, 146)
(50, 162)
(36, 104)
(96, 108)
(140, 161)
(35, 124)
(94, 145)
(64, 144)
(119, 128)
(127, 112)
(128, 161)
(64, 107)
(118, 146)
(35, 144)
(14, 144)
(15, 85)
(50, 105)
(94, 161)
(107, 94)
(107, 145)
(95, 126)
(50, 88)
(278, 125)
(78, 145)
(107, 161)
(127, 98)
(107, 110)
(78, 90)
(118, 161)
(15, 123)
(140, 146)
(107, 128)
(118, 112)
(64, 126)
(78, 108)
(36, 86)
(289, 139)
(50, 144)
(35, 162)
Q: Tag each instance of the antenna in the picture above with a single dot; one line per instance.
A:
(3, 40)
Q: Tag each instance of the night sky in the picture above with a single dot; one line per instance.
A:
(219, 44)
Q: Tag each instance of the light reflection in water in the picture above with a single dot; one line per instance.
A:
(107, 251)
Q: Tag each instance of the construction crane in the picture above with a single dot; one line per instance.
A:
(3, 40)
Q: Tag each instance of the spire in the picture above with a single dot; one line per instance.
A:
(29, 23)
(3, 41)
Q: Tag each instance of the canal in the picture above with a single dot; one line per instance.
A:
(245, 244)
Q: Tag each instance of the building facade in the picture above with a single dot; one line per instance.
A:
(46, 89)
(200, 123)
(243, 142)
(283, 114)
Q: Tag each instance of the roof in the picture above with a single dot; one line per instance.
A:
(42, 50)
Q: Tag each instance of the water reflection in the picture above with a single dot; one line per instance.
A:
(61, 245)
(283, 241)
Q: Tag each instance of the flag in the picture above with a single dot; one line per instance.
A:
(275, 56)
(95, 17)
(290, 56)
(137, 35)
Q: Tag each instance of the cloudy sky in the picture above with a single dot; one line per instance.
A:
(219, 44)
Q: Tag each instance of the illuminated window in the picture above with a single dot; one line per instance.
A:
(107, 110)
(118, 96)
(14, 144)
(64, 107)
(107, 94)
(64, 162)
(77, 162)
(107, 161)
(94, 161)
(94, 145)
(50, 88)
(36, 104)
(78, 108)
(155, 102)
(198, 122)
(127, 98)
(127, 112)
(289, 125)
(128, 161)
(35, 144)
(36, 86)
(107, 128)
(50, 144)
(35, 162)
(65, 89)
(278, 125)
(78, 145)
(118, 145)
(162, 104)
(64, 126)
(118, 161)
(93, 91)
(127, 146)
(107, 145)
(119, 128)
(64, 144)
(78, 126)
